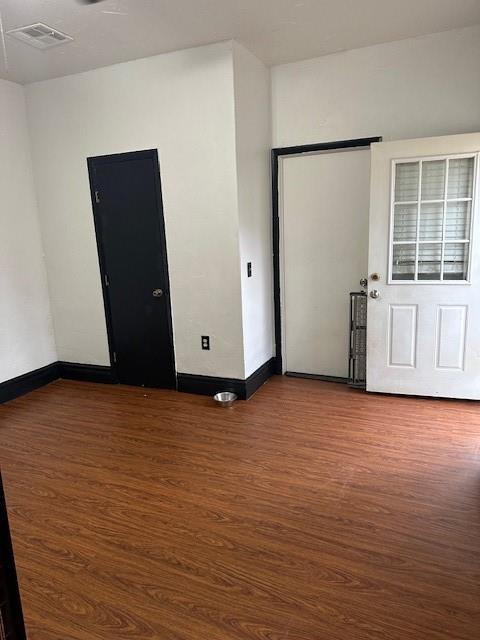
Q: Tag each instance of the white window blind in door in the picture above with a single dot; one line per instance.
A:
(431, 219)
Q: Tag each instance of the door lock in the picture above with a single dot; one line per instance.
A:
(157, 293)
(374, 293)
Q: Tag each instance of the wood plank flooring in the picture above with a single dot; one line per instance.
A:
(312, 512)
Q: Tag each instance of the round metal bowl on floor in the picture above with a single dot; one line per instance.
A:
(225, 398)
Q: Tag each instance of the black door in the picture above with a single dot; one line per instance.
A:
(11, 616)
(128, 213)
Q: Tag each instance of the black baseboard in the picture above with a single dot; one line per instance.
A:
(86, 372)
(17, 387)
(259, 377)
(209, 385)
(314, 376)
(204, 385)
(32, 380)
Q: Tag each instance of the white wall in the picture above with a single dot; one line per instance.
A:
(418, 87)
(253, 143)
(206, 110)
(26, 335)
(183, 104)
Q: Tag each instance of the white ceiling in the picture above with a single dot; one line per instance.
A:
(276, 31)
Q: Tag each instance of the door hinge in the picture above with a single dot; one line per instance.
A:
(107, 281)
(115, 357)
(97, 197)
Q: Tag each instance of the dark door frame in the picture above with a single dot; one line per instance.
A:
(275, 155)
(92, 162)
(15, 626)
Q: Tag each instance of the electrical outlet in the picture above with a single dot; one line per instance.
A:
(206, 343)
(249, 269)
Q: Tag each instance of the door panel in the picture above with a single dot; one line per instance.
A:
(129, 222)
(403, 335)
(424, 246)
(324, 229)
(451, 331)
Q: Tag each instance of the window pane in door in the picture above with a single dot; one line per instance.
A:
(429, 261)
(433, 179)
(457, 222)
(403, 262)
(460, 178)
(405, 222)
(455, 264)
(406, 181)
(431, 221)
(432, 218)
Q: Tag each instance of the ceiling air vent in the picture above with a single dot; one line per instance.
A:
(39, 35)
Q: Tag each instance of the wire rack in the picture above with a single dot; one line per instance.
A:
(357, 365)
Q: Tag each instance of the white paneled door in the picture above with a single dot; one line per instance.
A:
(424, 268)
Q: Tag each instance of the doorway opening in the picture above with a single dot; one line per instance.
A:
(320, 249)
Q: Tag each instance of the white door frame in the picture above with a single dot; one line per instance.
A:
(278, 264)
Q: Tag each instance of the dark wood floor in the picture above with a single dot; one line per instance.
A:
(312, 512)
